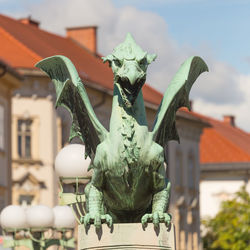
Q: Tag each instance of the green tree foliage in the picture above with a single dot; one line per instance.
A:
(230, 228)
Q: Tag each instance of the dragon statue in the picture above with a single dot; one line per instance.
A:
(128, 182)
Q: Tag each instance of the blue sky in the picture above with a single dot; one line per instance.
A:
(219, 25)
(216, 30)
(222, 25)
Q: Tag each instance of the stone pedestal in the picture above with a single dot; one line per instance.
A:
(127, 236)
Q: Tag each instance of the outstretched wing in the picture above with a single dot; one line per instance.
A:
(72, 95)
(176, 96)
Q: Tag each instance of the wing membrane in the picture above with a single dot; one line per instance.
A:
(72, 95)
(176, 96)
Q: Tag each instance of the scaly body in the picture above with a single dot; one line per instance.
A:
(129, 165)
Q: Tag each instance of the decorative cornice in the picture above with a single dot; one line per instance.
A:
(188, 116)
(27, 162)
(220, 167)
(32, 178)
(189, 132)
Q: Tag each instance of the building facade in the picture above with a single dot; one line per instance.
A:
(184, 173)
(225, 163)
(9, 80)
(36, 139)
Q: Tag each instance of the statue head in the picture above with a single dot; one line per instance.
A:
(129, 64)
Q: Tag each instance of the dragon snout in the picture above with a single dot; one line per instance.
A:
(130, 78)
(131, 84)
(134, 75)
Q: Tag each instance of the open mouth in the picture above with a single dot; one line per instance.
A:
(129, 92)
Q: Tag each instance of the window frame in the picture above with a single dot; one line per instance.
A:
(24, 138)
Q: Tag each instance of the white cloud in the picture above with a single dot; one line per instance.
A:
(155, 2)
(218, 92)
(220, 85)
(148, 29)
(240, 111)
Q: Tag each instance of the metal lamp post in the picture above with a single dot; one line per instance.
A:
(38, 227)
(72, 169)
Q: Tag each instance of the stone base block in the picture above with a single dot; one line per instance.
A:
(126, 236)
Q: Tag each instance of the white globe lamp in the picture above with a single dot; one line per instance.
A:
(64, 217)
(70, 163)
(13, 217)
(39, 216)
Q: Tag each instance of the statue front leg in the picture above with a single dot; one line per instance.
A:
(96, 213)
(159, 208)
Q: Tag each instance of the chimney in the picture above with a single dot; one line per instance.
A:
(85, 36)
(229, 119)
(30, 21)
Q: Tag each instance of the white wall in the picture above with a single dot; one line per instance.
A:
(44, 144)
(213, 192)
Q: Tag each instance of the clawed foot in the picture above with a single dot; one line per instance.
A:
(97, 220)
(156, 218)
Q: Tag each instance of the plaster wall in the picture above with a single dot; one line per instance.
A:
(44, 145)
(184, 174)
(215, 190)
(5, 153)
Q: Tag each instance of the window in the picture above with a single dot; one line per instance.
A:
(24, 138)
(25, 200)
(1, 127)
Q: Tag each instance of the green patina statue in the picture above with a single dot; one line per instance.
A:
(128, 182)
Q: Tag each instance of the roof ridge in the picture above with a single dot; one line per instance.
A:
(21, 45)
(38, 28)
(221, 122)
(203, 116)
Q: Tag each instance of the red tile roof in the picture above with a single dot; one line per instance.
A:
(222, 142)
(22, 45)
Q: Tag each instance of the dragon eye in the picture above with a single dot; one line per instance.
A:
(117, 63)
(143, 62)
